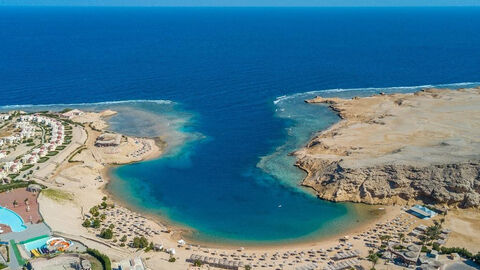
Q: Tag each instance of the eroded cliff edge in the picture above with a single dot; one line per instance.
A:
(398, 148)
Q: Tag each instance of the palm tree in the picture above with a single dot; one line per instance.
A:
(401, 237)
(384, 239)
(373, 257)
(433, 232)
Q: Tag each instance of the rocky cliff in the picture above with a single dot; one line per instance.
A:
(399, 148)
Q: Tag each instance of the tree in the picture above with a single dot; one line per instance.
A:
(140, 242)
(123, 239)
(199, 263)
(94, 211)
(86, 223)
(103, 205)
(106, 234)
(384, 239)
(433, 232)
(111, 226)
(373, 257)
(401, 237)
(96, 223)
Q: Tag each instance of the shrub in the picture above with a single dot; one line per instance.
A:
(96, 223)
(123, 239)
(86, 223)
(140, 242)
(107, 265)
(106, 234)
(172, 259)
(461, 251)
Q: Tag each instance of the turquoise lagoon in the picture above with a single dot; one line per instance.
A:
(232, 73)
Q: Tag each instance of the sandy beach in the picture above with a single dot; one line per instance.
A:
(80, 185)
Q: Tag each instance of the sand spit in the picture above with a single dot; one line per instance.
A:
(83, 175)
(398, 148)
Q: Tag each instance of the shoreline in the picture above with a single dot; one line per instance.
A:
(371, 154)
(77, 178)
(181, 231)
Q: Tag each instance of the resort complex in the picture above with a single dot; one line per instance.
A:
(239, 134)
(54, 213)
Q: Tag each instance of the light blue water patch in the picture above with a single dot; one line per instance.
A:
(12, 219)
(36, 244)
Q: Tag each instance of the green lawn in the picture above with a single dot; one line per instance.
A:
(13, 176)
(13, 185)
(52, 153)
(42, 159)
(57, 195)
(26, 167)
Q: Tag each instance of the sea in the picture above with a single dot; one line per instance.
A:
(224, 87)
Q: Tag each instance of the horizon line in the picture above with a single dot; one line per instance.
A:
(242, 3)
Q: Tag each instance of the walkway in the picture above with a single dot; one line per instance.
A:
(32, 230)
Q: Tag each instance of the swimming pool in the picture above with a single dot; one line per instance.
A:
(36, 244)
(422, 212)
(12, 219)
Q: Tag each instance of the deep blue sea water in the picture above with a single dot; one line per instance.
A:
(232, 74)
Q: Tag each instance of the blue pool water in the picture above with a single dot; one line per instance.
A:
(430, 212)
(232, 75)
(12, 219)
(36, 244)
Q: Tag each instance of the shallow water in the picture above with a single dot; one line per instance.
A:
(233, 75)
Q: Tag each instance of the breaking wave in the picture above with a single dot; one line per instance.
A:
(304, 120)
(402, 89)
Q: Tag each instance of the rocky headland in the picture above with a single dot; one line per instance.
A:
(398, 149)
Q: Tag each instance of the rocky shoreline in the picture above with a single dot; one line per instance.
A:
(398, 149)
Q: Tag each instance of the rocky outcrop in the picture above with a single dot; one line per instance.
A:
(396, 149)
(457, 184)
